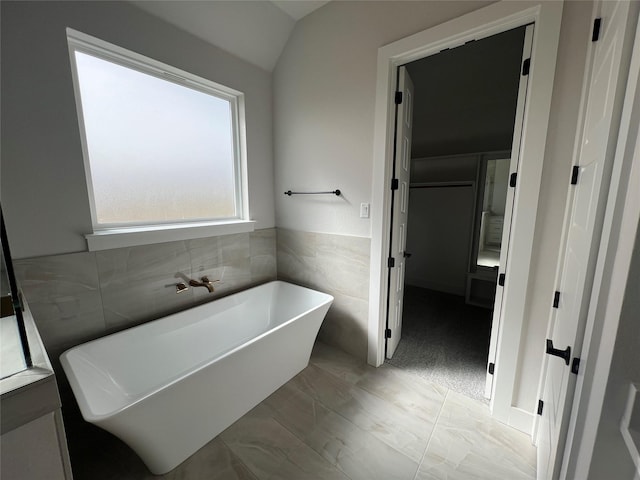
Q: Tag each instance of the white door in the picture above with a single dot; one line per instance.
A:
(402, 169)
(506, 227)
(583, 224)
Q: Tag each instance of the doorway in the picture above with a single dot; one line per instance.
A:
(487, 21)
(464, 110)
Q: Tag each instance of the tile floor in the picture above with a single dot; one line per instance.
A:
(338, 419)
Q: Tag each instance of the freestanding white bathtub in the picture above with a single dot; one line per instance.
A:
(169, 386)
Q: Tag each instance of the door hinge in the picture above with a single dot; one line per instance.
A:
(394, 184)
(540, 407)
(575, 171)
(492, 368)
(387, 333)
(556, 299)
(501, 278)
(575, 365)
(597, 23)
(391, 262)
(512, 179)
(526, 65)
(398, 98)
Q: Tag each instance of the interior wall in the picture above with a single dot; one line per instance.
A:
(44, 191)
(439, 237)
(324, 96)
(440, 223)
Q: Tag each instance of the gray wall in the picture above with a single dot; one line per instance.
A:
(44, 192)
(611, 458)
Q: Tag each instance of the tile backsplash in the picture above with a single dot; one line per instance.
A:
(81, 296)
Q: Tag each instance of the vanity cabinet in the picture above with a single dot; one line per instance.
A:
(32, 442)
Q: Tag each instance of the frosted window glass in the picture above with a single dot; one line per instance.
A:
(159, 152)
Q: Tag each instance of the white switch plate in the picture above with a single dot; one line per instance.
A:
(364, 210)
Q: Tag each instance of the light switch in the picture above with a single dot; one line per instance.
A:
(364, 210)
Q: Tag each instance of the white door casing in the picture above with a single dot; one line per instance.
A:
(506, 227)
(602, 96)
(404, 124)
(495, 18)
(610, 279)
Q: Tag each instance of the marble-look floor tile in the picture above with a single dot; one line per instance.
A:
(414, 395)
(467, 443)
(339, 363)
(299, 412)
(397, 427)
(214, 461)
(357, 453)
(267, 449)
(338, 419)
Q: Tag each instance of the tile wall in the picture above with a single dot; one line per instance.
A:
(81, 296)
(338, 265)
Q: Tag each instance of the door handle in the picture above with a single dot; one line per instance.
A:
(566, 354)
(406, 255)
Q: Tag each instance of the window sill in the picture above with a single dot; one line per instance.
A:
(132, 237)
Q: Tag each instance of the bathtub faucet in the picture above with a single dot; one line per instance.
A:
(205, 282)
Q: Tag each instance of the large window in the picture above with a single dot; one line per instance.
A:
(161, 146)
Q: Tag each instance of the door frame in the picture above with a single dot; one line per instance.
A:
(481, 23)
(620, 227)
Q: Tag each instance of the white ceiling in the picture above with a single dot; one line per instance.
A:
(297, 9)
(254, 30)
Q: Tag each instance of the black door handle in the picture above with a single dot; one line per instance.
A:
(566, 354)
(406, 255)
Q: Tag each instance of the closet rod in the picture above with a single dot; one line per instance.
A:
(441, 184)
(333, 192)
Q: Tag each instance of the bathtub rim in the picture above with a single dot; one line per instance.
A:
(81, 400)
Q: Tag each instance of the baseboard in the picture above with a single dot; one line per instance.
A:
(521, 420)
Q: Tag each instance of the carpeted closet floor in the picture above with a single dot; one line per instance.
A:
(444, 341)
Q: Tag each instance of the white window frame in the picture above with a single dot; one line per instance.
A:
(106, 236)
